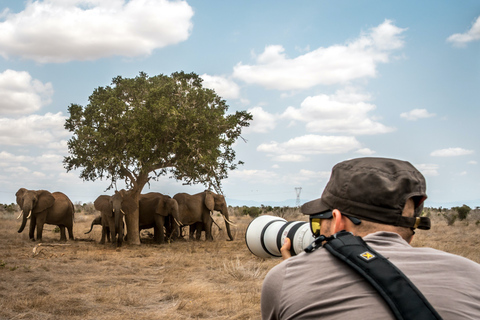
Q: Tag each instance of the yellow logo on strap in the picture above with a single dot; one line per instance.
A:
(367, 256)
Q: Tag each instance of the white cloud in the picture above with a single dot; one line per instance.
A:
(416, 114)
(7, 158)
(258, 176)
(365, 151)
(331, 65)
(61, 31)
(33, 130)
(461, 39)
(262, 121)
(344, 112)
(297, 148)
(224, 87)
(451, 152)
(20, 94)
(306, 176)
(473, 162)
(430, 170)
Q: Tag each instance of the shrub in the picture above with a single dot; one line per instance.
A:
(450, 216)
(462, 211)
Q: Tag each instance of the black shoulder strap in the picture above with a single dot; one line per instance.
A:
(401, 295)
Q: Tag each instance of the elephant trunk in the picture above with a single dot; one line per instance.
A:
(24, 220)
(119, 225)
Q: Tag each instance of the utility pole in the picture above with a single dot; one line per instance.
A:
(298, 190)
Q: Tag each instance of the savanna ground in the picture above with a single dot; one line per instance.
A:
(182, 280)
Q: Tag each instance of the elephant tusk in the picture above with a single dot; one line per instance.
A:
(29, 214)
(19, 215)
(178, 223)
(229, 222)
(122, 211)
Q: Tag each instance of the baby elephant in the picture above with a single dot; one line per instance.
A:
(98, 221)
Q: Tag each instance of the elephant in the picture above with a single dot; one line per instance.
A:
(197, 228)
(98, 221)
(197, 207)
(43, 207)
(113, 209)
(155, 210)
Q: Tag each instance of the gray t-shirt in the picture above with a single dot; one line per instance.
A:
(319, 286)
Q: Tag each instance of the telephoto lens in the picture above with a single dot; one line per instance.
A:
(265, 236)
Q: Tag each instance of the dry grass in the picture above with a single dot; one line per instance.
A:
(181, 280)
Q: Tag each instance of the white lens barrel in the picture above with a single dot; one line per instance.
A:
(261, 236)
(265, 236)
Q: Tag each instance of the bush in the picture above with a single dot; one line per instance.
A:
(251, 211)
(451, 217)
(462, 211)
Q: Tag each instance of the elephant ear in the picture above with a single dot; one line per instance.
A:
(102, 204)
(209, 200)
(19, 196)
(45, 200)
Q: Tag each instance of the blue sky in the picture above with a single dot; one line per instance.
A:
(325, 81)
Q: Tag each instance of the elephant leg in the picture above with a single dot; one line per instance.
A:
(198, 230)
(39, 231)
(104, 232)
(31, 230)
(113, 236)
(158, 230)
(208, 229)
(40, 222)
(63, 236)
(70, 233)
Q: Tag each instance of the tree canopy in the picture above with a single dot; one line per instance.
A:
(142, 128)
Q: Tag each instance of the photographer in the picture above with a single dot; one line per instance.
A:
(379, 200)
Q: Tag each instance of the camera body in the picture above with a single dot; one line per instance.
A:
(265, 236)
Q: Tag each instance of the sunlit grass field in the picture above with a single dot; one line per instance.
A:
(182, 280)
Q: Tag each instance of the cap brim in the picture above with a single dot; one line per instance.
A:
(313, 207)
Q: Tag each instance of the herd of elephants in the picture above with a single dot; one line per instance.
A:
(166, 215)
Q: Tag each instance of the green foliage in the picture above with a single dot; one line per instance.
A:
(10, 208)
(146, 127)
(251, 211)
(462, 211)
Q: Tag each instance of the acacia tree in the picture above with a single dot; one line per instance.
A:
(143, 128)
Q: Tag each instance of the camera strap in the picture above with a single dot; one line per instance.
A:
(401, 295)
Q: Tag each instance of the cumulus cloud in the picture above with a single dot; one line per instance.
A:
(33, 130)
(262, 122)
(337, 64)
(60, 31)
(224, 87)
(7, 159)
(255, 175)
(365, 151)
(416, 114)
(428, 169)
(344, 112)
(21, 94)
(461, 39)
(299, 148)
(451, 152)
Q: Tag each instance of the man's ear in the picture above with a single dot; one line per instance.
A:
(338, 223)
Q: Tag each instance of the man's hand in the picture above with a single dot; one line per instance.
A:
(285, 250)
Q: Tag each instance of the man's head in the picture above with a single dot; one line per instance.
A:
(375, 190)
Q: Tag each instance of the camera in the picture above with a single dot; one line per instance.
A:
(265, 236)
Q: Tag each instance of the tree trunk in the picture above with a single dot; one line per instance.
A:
(131, 220)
